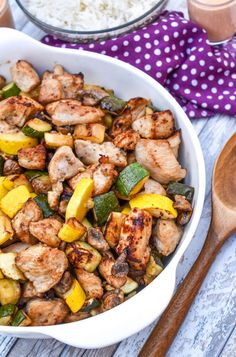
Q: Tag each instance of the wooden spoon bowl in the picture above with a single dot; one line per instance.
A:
(223, 225)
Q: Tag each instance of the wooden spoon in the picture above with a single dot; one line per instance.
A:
(223, 224)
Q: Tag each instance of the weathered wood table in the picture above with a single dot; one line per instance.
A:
(210, 327)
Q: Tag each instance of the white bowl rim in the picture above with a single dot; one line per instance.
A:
(64, 332)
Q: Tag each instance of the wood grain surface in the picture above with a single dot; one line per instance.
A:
(209, 329)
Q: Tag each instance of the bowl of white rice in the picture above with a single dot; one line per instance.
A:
(90, 20)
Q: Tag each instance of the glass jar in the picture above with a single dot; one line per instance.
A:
(6, 19)
(217, 17)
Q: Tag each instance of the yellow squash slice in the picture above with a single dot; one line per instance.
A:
(78, 204)
(71, 230)
(75, 297)
(12, 143)
(14, 200)
(3, 190)
(6, 230)
(157, 205)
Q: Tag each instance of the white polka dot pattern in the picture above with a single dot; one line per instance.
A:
(175, 52)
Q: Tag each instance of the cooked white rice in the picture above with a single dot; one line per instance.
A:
(88, 14)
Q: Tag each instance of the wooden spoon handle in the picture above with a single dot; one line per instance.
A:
(167, 327)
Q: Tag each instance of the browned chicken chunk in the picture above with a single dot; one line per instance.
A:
(11, 167)
(29, 291)
(15, 110)
(90, 282)
(43, 312)
(135, 233)
(152, 186)
(127, 140)
(159, 125)
(20, 223)
(105, 269)
(112, 228)
(71, 112)
(42, 265)
(158, 158)
(103, 175)
(33, 158)
(90, 153)
(166, 236)
(63, 165)
(46, 231)
(50, 90)
(175, 141)
(54, 195)
(24, 75)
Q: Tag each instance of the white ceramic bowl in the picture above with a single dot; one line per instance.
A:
(142, 309)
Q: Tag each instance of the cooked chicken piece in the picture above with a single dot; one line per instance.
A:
(71, 112)
(46, 231)
(91, 283)
(51, 89)
(120, 268)
(11, 167)
(15, 248)
(112, 228)
(88, 173)
(63, 165)
(90, 153)
(122, 123)
(158, 158)
(6, 128)
(105, 269)
(30, 212)
(33, 158)
(159, 125)
(24, 75)
(54, 196)
(166, 236)
(42, 265)
(111, 299)
(2, 82)
(91, 95)
(64, 284)
(15, 110)
(43, 312)
(135, 234)
(127, 140)
(41, 186)
(152, 186)
(182, 204)
(78, 316)
(137, 107)
(142, 264)
(71, 84)
(96, 239)
(29, 291)
(175, 141)
(103, 176)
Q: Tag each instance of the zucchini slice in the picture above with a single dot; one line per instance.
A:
(112, 104)
(90, 305)
(10, 90)
(35, 128)
(131, 180)
(129, 286)
(104, 205)
(32, 174)
(154, 268)
(177, 188)
(83, 255)
(6, 314)
(9, 291)
(21, 319)
(42, 202)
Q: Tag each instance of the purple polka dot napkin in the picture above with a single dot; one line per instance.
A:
(175, 52)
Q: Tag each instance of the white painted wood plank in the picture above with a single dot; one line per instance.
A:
(229, 349)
